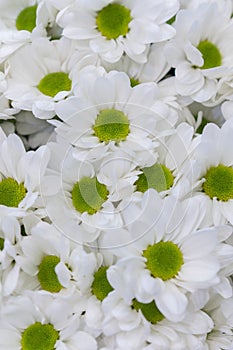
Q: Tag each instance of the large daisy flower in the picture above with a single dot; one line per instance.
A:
(167, 256)
(36, 321)
(109, 114)
(111, 28)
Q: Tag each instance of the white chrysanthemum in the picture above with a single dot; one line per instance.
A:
(167, 255)
(201, 54)
(56, 263)
(110, 115)
(159, 332)
(20, 173)
(39, 75)
(213, 172)
(25, 21)
(76, 201)
(113, 28)
(41, 322)
(33, 131)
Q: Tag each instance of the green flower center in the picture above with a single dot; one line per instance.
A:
(113, 20)
(26, 19)
(219, 183)
(88, 195)
(210, 53)
(39, 336)
(163, 259)
(100, 286)
(134, 82)
(47, 275)
(53, 83)
(2, 243)
(149, 311)
(157, 176)
(111, 125)
(11, 192)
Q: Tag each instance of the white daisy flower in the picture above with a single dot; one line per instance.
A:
(201, 54)
(213, 172)
(42, 322)
(39, 75)
(76, 200)
(147, 272)
(24, 21)
(20, 173)
(54, 262)
(113, 28)
(110, 115)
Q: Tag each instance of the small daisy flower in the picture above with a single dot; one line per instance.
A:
(110, 115)
(25, 21)
(113, 28)
(201, 54)
(213, 172)
(20, 173)
(39, 75)
(39, 322)
(54, 262)
(76, 200)
(167, 256)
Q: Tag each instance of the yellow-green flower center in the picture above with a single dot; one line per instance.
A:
(134, 82)
(111, 125)
(163, 259)
(47, 275)
(100, 286)
(210, 53)
(26, 19)
(219, 182)
(11, 192)
(149, 311)
(1, 243)
(39, 336)
(53, 83)
(88, 195)
(158, 177)
(113, 20)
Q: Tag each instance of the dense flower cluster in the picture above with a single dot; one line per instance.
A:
(116, 175)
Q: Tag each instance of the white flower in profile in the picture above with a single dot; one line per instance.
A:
(114, 28)
(154, 69)
(108, 115)
(221, 335)
(39, 75)
(75, 199)
(165, 255)
(36, 321)
(21, 173)
(201, 54)
(213, 172)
